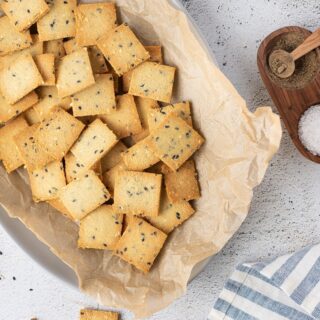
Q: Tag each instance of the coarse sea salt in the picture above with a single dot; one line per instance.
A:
(309, 129)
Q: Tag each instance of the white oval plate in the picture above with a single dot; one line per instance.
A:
(38, 251)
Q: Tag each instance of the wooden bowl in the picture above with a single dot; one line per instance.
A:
(291, 103)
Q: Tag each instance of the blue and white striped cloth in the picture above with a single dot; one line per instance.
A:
(284, 288)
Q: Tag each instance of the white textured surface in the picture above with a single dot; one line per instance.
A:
(284, 214)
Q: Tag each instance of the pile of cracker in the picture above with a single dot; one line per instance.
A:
(86, 109)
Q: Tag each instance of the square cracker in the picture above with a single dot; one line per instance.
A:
(49, 100)
(58, 132)
(31, 115)
(139, 157)
(144, 107)
(137, 193)
(83, 195)
(97, 99)
(74, 73)
(155, 53)
(94, 20)
(153, 80)
(12, 40)
(122, 49)
(98, 63)
(171, 215)
(87, 314)
(59, 22)
(140, 244)
(174, 141)
(126, 221)
(124, 121)
(113, 157)
(155, 56)
(46, 182)
(109, 177)
(55, 47)
(34, 157)
(94, 142)
(51, 92)
(45, 64)
(71, 46)
(116, 79)
(101, 229)
(97, 60)
(23, 14)
(183, 183)
(97, 168)
(9, 111)
(156, 168)
(157, 115)
(75, 169)
(56, 203)
(35, 49)
(9, 153)
(19, 78)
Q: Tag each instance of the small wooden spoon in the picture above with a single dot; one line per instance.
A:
(282, 63)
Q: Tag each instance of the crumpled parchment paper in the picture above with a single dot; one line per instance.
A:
(239, 146)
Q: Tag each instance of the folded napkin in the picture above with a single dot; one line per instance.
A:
(287, 287)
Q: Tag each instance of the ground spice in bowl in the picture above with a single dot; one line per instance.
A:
(309, 129)
(307, 67)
